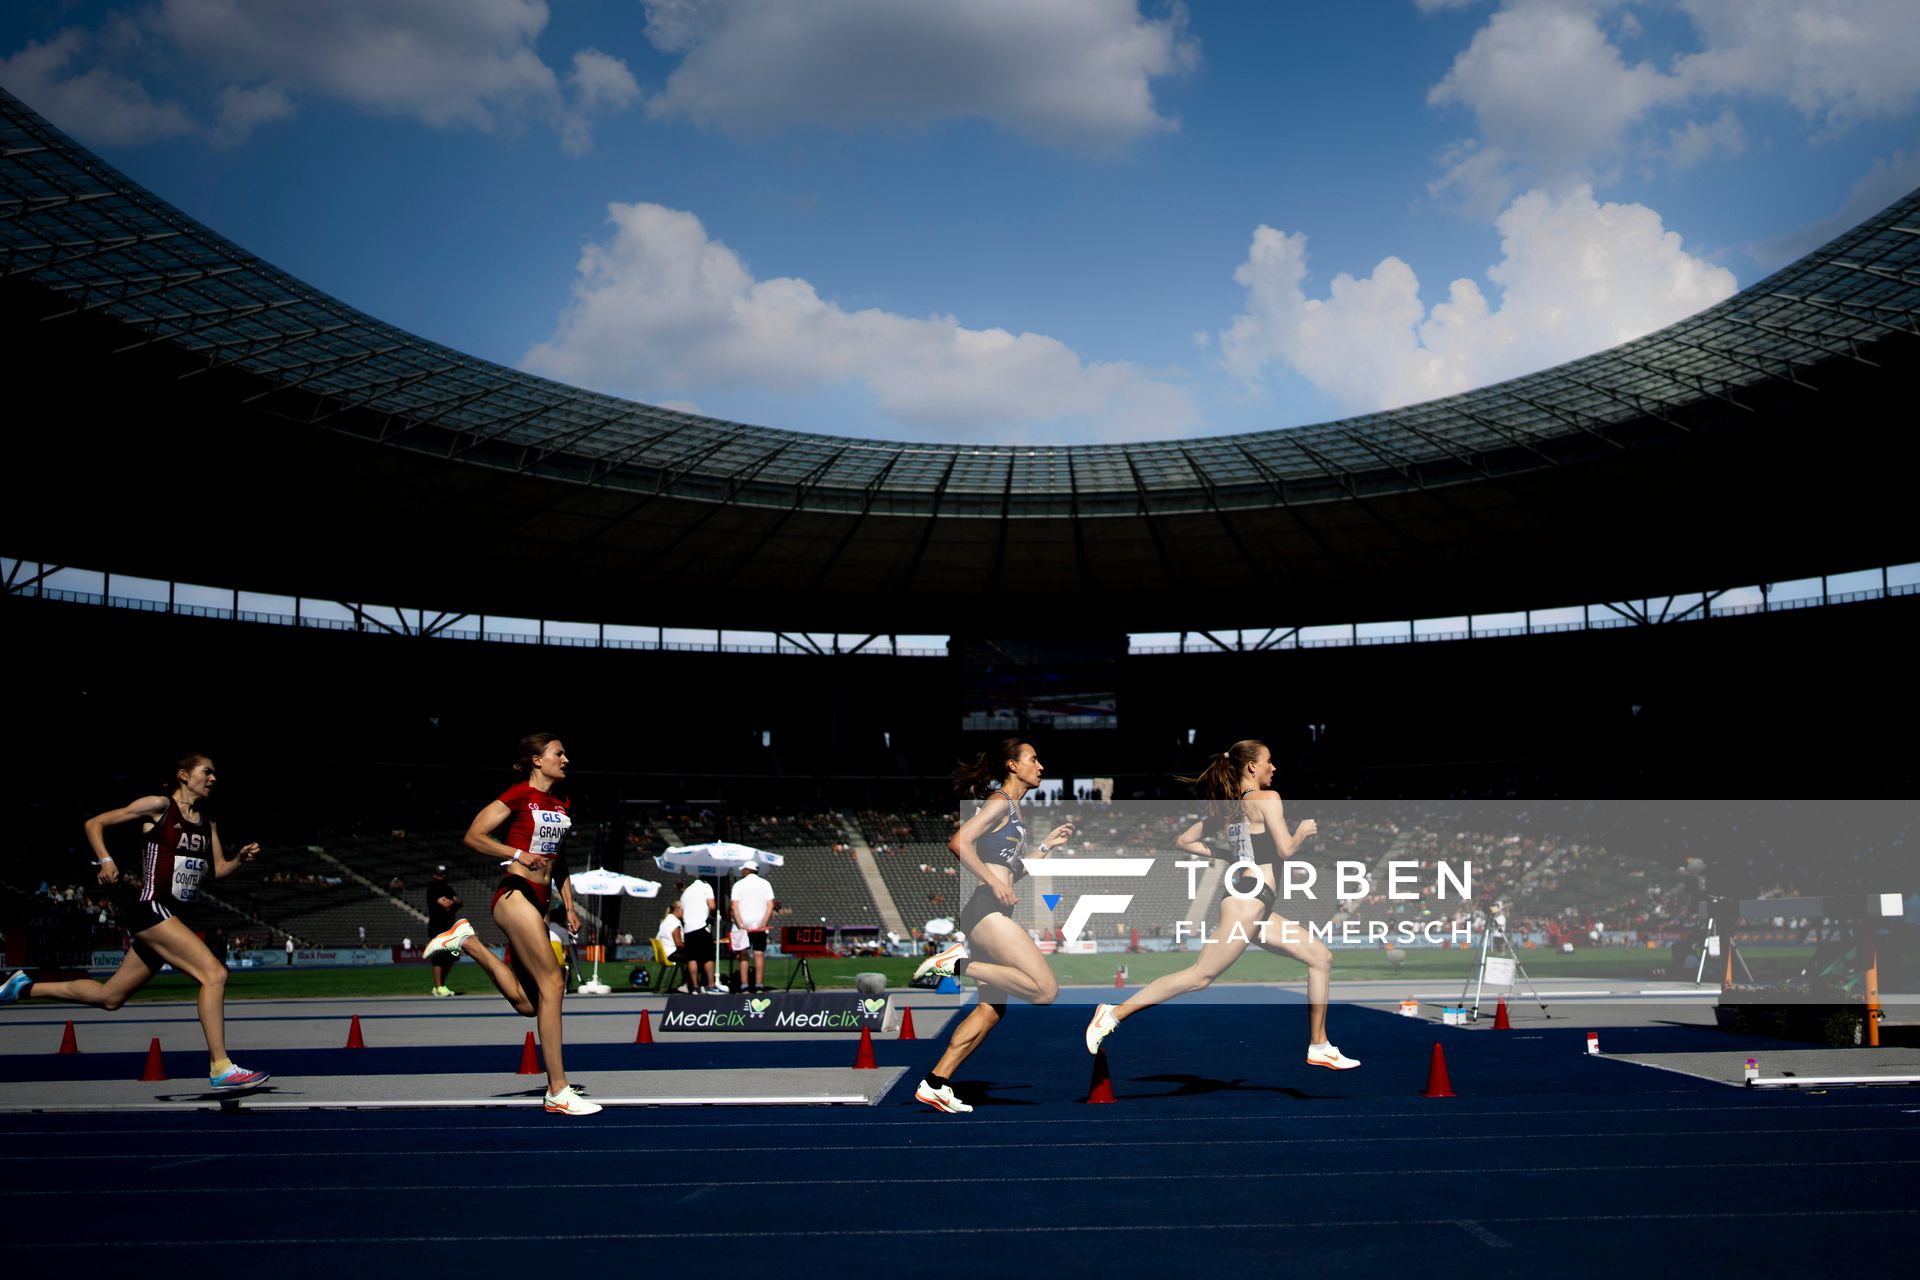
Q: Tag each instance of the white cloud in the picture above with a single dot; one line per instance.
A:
(1064, 72)
(660, 309)
(1479, 179)
(243, 109)
(442, 62)
(1575, 277)
(1555, 98)
(1697, 142)
(1549, 89)
(601, 85)
(1890, 178)
(96, 105)
(601, 82)
(1843, 60)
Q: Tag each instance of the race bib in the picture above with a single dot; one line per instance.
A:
(549, 829)
(187, 875)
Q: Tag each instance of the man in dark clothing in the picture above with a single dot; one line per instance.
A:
(443, 908)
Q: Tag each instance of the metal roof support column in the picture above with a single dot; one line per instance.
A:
(106, 589)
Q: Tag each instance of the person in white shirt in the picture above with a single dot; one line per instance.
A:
(671, 938)
(752, 902)
(697, 905)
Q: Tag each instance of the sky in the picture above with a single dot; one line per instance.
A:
(1003, 220)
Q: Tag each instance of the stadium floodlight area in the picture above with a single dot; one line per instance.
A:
(1656, 467)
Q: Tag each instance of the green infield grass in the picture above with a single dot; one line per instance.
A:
(1421, 966)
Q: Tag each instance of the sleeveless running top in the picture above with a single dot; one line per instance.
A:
(1247, 845)
(179, 856)
(1006, 845)
(540, 822)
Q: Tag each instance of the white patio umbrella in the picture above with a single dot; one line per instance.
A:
(718, 859)
(602, 883)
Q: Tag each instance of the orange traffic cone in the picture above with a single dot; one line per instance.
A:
(1438, 1086)
(529, 1059)
(1100, 1087)
(643, 1034)
(906, 1025)
(1500, 1022)
(354, 1040)
(1120, 976)
(156, 1065)
(67, 1043)
(863, 1060)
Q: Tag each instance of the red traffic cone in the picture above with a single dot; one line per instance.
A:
(156, 1065)
(1100, 1087)
(354, 1040)
(67, 1043)
(1500, 1022)
(1438, 1086)
(529, 1059)
(906, 1025)
(1120, 976)
(643, 1034)
(863, 1060)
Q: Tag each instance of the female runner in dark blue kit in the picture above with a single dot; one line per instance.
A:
(1004, 959)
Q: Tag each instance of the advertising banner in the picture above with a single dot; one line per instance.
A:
(804, 1011)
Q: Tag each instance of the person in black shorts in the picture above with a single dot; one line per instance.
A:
(1004, 960)
(1253, 823)
(443, 908)
(183, 847)
(752, 904)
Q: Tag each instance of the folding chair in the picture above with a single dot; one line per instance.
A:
(668, 976)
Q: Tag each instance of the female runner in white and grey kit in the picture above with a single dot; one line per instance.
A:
(1255, 825)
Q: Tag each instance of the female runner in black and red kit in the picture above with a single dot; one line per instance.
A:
(183, 846)
(530, 977)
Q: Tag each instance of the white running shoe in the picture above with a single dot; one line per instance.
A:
(941, 1099)
(451, 941)
(568, 1102)
(940, 965)
(1100, 1026)
(1327, 1055)
(445, 991)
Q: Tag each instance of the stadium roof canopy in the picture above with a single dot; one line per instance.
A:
(199, 415)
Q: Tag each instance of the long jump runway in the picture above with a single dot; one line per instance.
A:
(1223, 1149)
